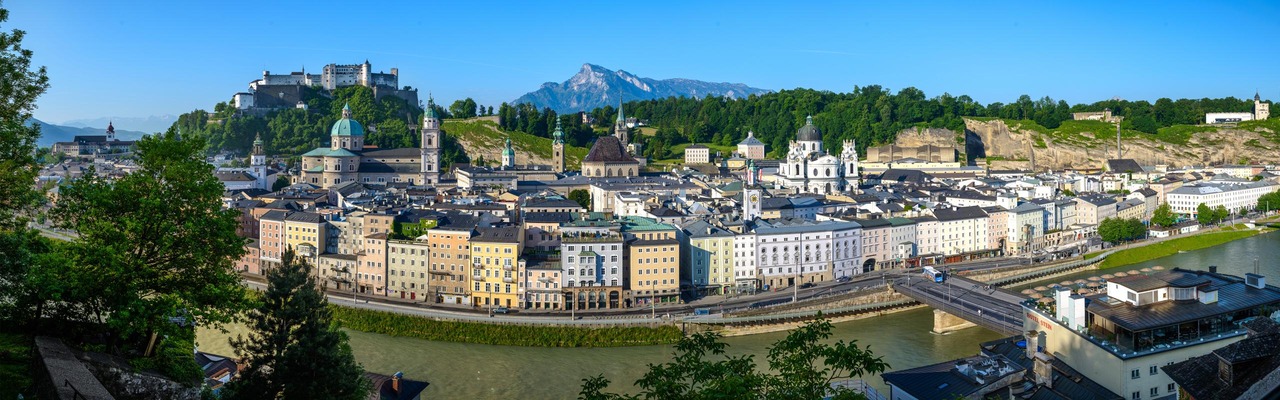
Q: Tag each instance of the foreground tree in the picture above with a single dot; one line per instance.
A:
(582, 197)
(295, 351)
(802, 366)
(154, 244)
(1163, 216)
(1204, 214)
(1220, 213)
(18, 92)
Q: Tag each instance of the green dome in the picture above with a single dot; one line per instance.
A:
(346, 127)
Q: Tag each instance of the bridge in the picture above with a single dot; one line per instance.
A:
(962, 302)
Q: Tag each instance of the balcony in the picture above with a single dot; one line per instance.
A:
(509, 280)
(508, 267)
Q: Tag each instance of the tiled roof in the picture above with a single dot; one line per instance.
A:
(608, 149)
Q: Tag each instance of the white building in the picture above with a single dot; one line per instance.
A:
(1235, 197)
(1227, 117)
(697, 154)
(961, 230)
(751, 148)
(789, 252)
(809, 169)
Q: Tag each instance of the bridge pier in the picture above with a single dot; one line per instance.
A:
(947, 323)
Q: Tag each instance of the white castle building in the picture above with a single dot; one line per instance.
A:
(809, 169)
(275, 91)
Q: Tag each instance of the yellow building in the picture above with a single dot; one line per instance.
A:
(305, 233)
(653, 261)
(496, 267)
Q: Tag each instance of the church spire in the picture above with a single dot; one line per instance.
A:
(558, 135)
(346, 111)
(257, 145)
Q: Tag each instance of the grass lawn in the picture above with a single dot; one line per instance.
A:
(484, 133)
(394, 324)
(15, 366)
(1171, 247)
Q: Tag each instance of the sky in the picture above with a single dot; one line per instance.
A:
(136, 59)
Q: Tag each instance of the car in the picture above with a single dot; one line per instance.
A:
(807, 285)
(844, 279)
(501, 310)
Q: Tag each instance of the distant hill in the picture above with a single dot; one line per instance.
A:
(149, 124)
(50, 133)
(595, 86)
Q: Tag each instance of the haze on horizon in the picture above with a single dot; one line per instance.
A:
(140, 59)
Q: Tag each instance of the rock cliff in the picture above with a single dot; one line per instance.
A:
(1088, 144)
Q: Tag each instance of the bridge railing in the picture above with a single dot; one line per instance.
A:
(994, 319)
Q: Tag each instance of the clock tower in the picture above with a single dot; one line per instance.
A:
(751, 203)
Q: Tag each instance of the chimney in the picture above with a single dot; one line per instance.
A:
(1213, 269)
(1043, 369)
(395, 381)
(1031, 338)
(1062, 301)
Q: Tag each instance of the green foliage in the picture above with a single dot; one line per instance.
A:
(16, 366)
(1181, 134)
(1163, 216)
(484, 133)
(1117, 230)
(1172, 246)
(581, 196)
(410, 230)
(801, 366)
(280, 183)
(395, 324)
(463, 109)
(173, 358)
(1269, 201)
(21, 86)
(155, 243)
(1205, 215)
(1220, 213)
(294, 349)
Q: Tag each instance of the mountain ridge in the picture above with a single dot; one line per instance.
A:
(595, 86)
(53, 133)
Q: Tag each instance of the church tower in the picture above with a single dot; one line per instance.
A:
(620, 127)
(557, 149)
(1261, 110)
(508, 156)
(849, 164)
(258, 163)
(111, 132)
(429, 148)
(751, 203)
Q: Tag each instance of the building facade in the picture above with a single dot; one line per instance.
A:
(809, 169)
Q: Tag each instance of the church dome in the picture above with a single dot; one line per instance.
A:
(808, 132)
(346, 126)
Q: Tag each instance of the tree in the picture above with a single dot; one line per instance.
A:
(294, 349)
(1163, 216)
(280, 183)
(1116, 230)
(18, 96)
(1204, 214)
(155, 243)
(802, 366)
(582, 197)
(1220, 213)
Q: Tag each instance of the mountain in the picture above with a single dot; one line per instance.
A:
(595, 86)
(153, 123)
(50, 133)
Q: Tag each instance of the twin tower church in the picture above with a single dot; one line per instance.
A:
(347, 160)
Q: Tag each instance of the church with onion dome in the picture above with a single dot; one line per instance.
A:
(809, 169)
(348, 160)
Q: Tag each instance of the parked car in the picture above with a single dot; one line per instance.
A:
(844, 279)
(807, 285)
(501, 310)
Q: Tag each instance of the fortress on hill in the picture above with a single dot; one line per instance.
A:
(277, 91)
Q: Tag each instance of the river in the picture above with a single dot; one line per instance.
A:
(458, 370)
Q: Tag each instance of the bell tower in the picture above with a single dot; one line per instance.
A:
(429, 147)
(620, 126)
(258, 163)
(557, 149)
(849, 164)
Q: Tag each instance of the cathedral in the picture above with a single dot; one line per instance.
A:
(348, 160)
(809, 169)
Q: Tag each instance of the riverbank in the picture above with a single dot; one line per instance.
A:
(395, 324)
(1173, 246)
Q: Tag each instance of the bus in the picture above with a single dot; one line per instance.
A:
(935, 274)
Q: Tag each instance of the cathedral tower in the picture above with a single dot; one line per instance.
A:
(508, 156)
(620, 127)
(429, 147)
(849, 167)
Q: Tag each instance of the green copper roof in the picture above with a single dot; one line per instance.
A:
(508, 150)
(346, 127)
(327, 152)
(558, 135)
(621, 117)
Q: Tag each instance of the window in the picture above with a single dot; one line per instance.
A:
(1155, 391)
(1134, 374)
(1153, 370)
(1135, 395)
(1171, 388)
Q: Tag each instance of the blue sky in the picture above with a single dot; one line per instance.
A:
(133, 58)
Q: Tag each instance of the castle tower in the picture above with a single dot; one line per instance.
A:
(557, 149)
(849, 164)
(111, 132)
(620, 129)
(508, 156)
(1261, 110)
(258, 163)
(429, 149)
